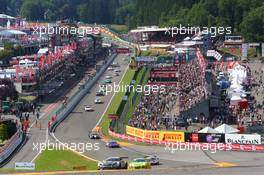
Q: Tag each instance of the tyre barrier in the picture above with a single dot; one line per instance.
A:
(219, 146)
(79, 96)
(11, 145)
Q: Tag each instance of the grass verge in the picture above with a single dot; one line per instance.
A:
(116, 101)
(55, 160)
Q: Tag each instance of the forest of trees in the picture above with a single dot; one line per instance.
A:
(246, 17)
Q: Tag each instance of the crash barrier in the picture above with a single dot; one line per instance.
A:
(234, 142)
(10, 146)
(75, 100)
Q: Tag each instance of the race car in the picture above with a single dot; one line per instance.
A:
(108, 77)
(98, 100)
(117, 70)
(88, 109)
(100, 93)
(94, 135)
(108, 81)
(113, 163)
(153, 159)
(110, 68)
(112, 144)
(139, 163)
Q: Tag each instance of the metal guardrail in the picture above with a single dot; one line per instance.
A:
(63, 112)
(7, 150)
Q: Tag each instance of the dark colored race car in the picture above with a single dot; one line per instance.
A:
(113, 163)
(112, 144)
(94, 135)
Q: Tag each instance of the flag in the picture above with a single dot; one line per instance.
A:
(221, 67)
(30, 73)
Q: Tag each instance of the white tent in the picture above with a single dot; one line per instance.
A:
(226, 129)
(208, 130)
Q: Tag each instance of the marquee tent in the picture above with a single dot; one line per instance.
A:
(208, 130)
(226, 129)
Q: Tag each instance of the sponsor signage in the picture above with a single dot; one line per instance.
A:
(172, 136)
(155, 135)
(159, 74)
(262, 49)
(244, 50)
(205, 137)
(164, 69)
(245, 139)
(130, 130)
(210, 53)
(151, 135)
(139, 133)
(145, 59)
(24, 166)
(121, 50)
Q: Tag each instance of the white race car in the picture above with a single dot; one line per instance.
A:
(153, 159)
(88, 109)
(98, 100)
(110, 68)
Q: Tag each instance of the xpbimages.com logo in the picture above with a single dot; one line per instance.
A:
(63, 30)
(183, 30)
(78, 147)
(146, 89)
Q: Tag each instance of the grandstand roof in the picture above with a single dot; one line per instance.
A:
(4, 16)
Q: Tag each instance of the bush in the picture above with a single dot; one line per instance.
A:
(3, 132)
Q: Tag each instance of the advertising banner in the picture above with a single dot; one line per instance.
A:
(24, 166)
(204, 137)
(146, 59)
(164, 69)
(139, 133)
(121, 50)
(243, 139)
(130, 130)
(262, 49)
(244, 50)
(159, 74)
(172, 136)
(155, 135)
(151, 135)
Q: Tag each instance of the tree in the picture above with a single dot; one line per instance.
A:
(7, 89)
(34, 9)
(252, 26)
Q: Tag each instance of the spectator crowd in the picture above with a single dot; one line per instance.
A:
(156, 111)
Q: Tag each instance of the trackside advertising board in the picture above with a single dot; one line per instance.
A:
(243, 139)
(204, 137)
(24, 166)
(155, 135)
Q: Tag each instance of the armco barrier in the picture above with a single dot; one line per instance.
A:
(10, 146)
(79, 95)
(223, 146)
